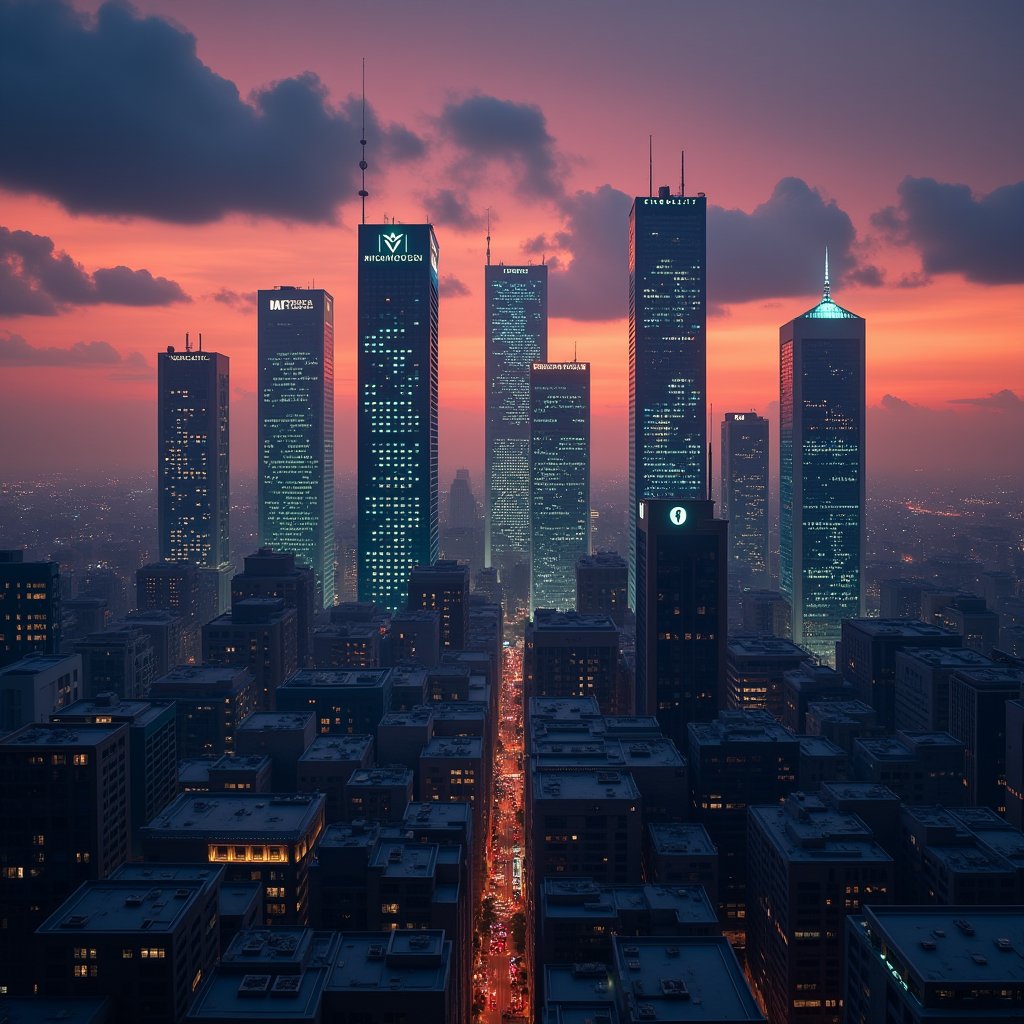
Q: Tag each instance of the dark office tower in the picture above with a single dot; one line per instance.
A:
(744, 456)
(397, 410)
(516, 337)
(681, 612)
(559, 505)
(462, 537)
(443, 587)
(192, 457)
(274, 574)
(169, 587)
(667, 353)
(821, 472)
(30, 607)
(296, 429)
(602, 581)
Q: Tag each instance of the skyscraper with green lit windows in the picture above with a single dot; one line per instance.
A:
(397, 408)
(296, 429)
(821, 472)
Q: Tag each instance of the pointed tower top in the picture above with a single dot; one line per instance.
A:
(488, 236)
(826, 292)
(362, 151)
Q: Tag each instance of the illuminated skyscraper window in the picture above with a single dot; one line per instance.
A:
(821, 472)
(667, 353)
(744, 456)
(516, 332)
(296, 429)
(397, 410)
(559, 480)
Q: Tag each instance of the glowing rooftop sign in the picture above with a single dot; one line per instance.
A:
(393, 247)
(285, 304)
(677, 515)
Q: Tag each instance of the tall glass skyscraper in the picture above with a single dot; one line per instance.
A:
(192, 457)
(516, 336)
(559, 480)
(296, 429)
(821, 472)
(744, 455)
(667, 353)
(397, 413)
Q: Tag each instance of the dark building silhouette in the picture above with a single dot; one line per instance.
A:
(397, 408)
(667, 353)
(602, 585)
(296, 429)
(193, 470)
(821, 472)
(171, 587)
(681, 617)
(559, 480)
(744, 503)
(30, 607)
(515, 337)
(37, 685)
(443, 587)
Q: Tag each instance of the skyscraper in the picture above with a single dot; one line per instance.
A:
(516, 336)
(744, 456)
(30, 607)
(667, 353)
(681, 613)
(192, 458)
(296, 429)
(559, 480)
(821, 471)
(397, 413)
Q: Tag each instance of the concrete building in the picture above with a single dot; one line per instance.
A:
(30, 607)
(810, 866)
(765, 613)
(922, 684)
(1015, 763)
(256, 836)
(166, 637)
(170, 587)
(934, 965)
(458, 770)
(378, 794)
(842, 721)
(416, 637)
(443, 587)
(341, 701)
(920, 767)
(821, 761)
(809, 684)
(402, 735)
(250, 773)
(971, 618)
(352, 645)
(326, 766)
(602, 586)
(37, 685)
(755, 670)
(681, 854)
(211, 702)
(65, 818)
(281, 736)
(119, 660)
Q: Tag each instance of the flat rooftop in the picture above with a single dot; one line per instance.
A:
(274, 721)
(993, 677)
(417, 716)
(454, 748)
(37, 662)
(971, 860)
(583, 899)
(678, 839)
(212, 676)
(167, 873)
(349, 747)
(398, 961)
(859, 791)
(389, 775)
(562, 708)
(805, 829)
(588, 784)
(38, 1010)
(55, 735)
(236, 815)
(546, 621)
(841, 711)
(683, 979)
(148, 906)
(350, 679)
(91, 709)
(952, 945)
(241, 763)
(352, 835)
(946, 657)
(898, 629)
(740, 727)
(399, 858)
(889, 748)
(767, 648)
(819, 746)
(430, 814)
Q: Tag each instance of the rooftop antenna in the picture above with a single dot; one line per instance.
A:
(362, 142)
(574, 359)
(826, 292)
(188, 347)
(200, 341)
(488, 236)
(650, 165)
(711, 449)
(682, 172)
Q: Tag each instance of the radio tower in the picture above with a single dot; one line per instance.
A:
(362, 142)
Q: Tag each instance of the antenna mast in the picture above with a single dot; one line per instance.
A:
(188, 347)
(362, 142)
(650, 165)
(682, 172)
(711, 449)
(488, 236)
(200, 341)
(826, 292)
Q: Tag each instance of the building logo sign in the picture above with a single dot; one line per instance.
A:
(517, 270)
(677, 515)
(675, 201)
(286, 304)
(393, 247)
(189, 357)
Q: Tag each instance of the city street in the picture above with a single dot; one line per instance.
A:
(498, 978)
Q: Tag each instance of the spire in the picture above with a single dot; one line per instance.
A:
(826, 293)
(362, 142)
(488, 236)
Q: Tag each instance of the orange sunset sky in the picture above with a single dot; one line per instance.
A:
(211, 149)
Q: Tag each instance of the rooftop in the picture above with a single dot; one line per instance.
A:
(851, 791)
(453, 747)
(546, 620)
(588, 784)
(740, 727)
(946, 657)
(428, 814)
(386, 775)
(674, 838)
(125, 905)
(403, 961)
(769, 647)
(274, 721)
(235, 815)
(109, 707)
(204, 675)
(351, 747)
(36, 662)
(54, 735)
(400, 858)
(364, 678)
(897, 629)
(682, 979)
(562, 708)
(577, 898)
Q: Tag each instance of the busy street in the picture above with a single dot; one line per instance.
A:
(501, 984)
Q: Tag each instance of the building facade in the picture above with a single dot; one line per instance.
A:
(559, 480)
(744, 503)
(397, 408)
(296, 429)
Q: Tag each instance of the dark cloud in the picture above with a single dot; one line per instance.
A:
(17, 351)
(956, 233)
(36, 279)
(447, 207)
(516, 134)
(1006, 399)
(772, 252)
(452, 288)
(117, 115)
(237, 300)
(594, 284)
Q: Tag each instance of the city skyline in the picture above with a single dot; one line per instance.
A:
(919, 234)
